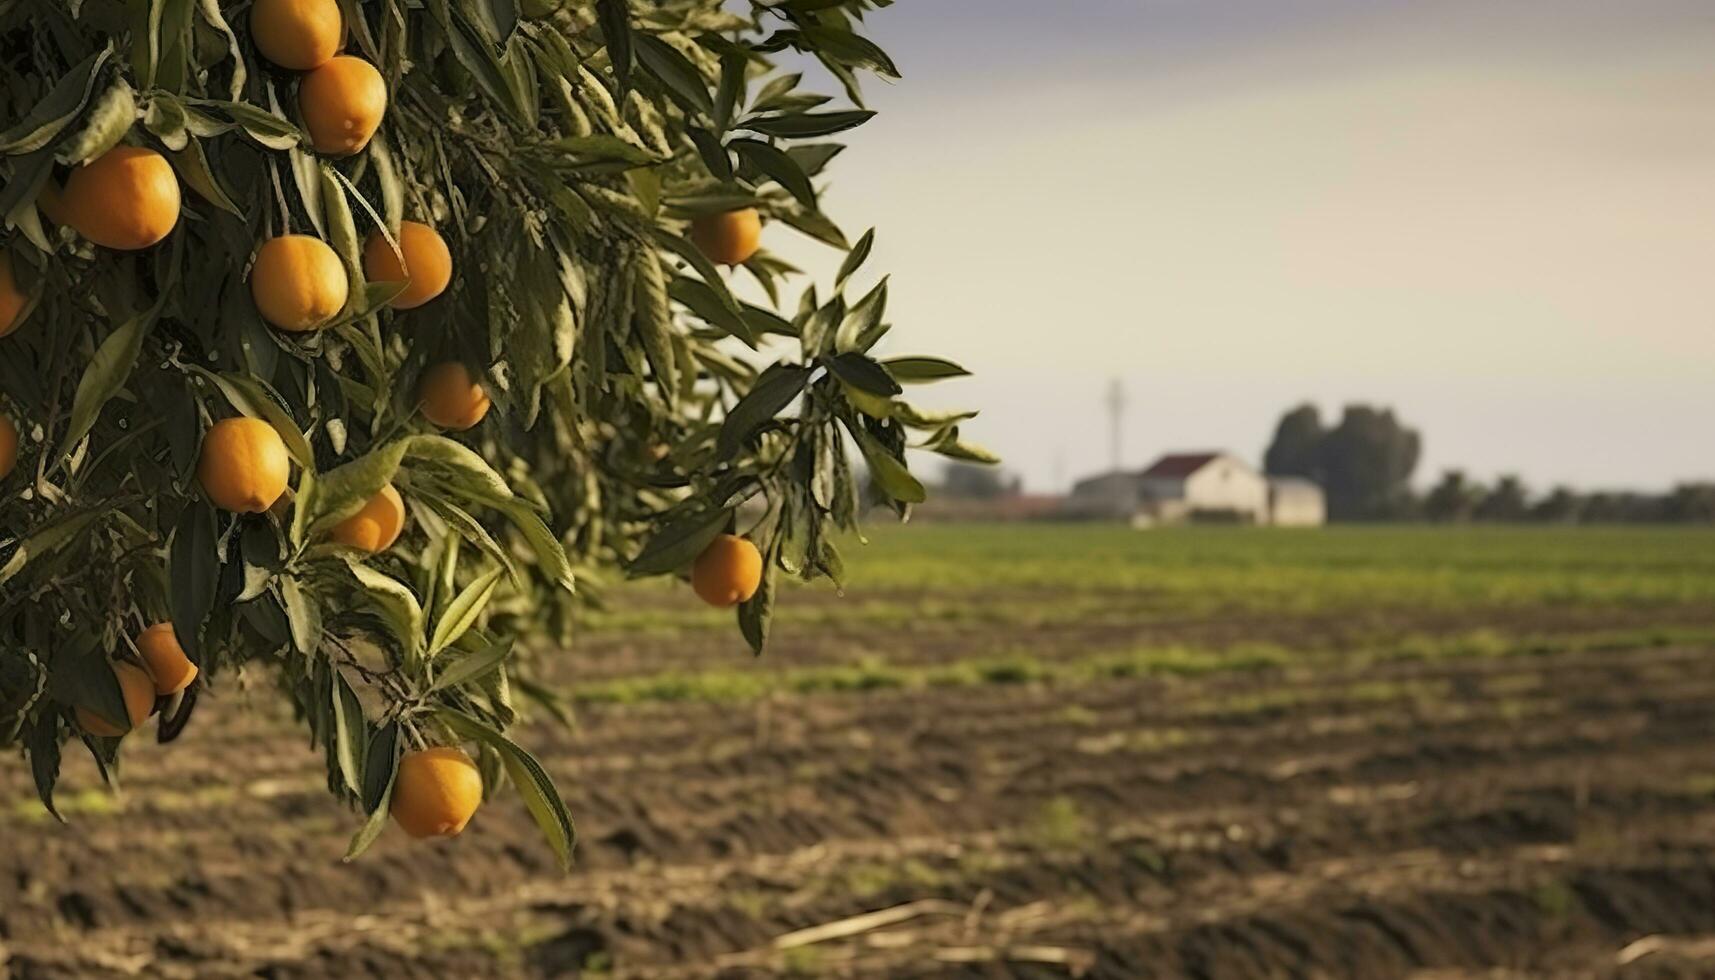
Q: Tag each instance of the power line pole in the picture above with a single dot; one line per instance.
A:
(1116, 415)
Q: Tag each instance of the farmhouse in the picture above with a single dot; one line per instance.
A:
(1209, 486)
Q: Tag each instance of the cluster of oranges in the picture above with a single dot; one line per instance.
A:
(128, 199)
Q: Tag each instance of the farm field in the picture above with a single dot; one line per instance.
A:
(1035, 751)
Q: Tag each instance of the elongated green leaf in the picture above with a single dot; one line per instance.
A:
(463, 611)
(398, 607)
(343, 490)
(858, 371)
(381, 769)
(105, 375)
(918, 370)
(106, 124)
(464, 467)
(303, 614)
(349, 733)
(193, 168)
(48, 118)
(673, 70)
(194, 566)
(250, 397)
(471, 666)
(801, 125)
(777, 388)
(779, 166)
(855, 258)
(679, 542)
(888, 472)
(534, 784)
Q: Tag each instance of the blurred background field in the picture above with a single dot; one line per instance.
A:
(1040, 750)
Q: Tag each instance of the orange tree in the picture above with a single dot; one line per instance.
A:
(343, 337)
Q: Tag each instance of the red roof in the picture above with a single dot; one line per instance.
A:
(1177, 466)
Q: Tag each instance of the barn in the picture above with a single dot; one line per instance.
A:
(1213, 487)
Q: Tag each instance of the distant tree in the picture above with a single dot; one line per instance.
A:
(971, 481)
(1507, 502)
(1563, 505)
(1297, 446)
(1453, 499)
(1367, 461)
(1690, 503)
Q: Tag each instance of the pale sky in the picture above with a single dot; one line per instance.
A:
(1496, 216)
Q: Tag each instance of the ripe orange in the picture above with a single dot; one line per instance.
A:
(127, 198)
(139, 693)
(166, 660)
(376, 526)
(451, 398)
(728, 571)
(12, 299)
(436, 792)
(243, 466)
(342, 103)
(298, 282)
(428, 263)
(730, 238)
(8, 447)
(296, 34)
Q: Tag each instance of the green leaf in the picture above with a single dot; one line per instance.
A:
(342, 491)
(780, 166)
(756, 613)
(380, 769)
(303, 614)
(107, 123)
(49, 539)
(261, 125)
(777, 388)
(918, 370)
(615, 19)
(887, 471)
(534, 784)
(253, 399)
(193, 168)
(349, 731)
(679, 542)
(463, 611)
(807, 124)
(858, 371)
(194, 567)
(730, 94)
(464, 468)
(855, 258)
(673, 70)
(550, 555)
(471, 666)
(863, 326)
(49, 117)
(43, 744)
(398, 607)
(850, 49)
(105, 375)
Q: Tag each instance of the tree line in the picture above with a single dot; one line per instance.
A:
(1365, 461)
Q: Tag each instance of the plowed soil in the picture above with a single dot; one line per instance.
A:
(1540, 813)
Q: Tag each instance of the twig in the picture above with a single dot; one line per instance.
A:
(842, 928)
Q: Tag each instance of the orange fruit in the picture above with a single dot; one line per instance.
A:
(166, 660)
(139, 692)
(12, 299)
(451, 398)
(8, 447)
(436, 792)
(428, 263)
(730, 238)
(728, 571)
(243, 466)
(127, 198)
(298, 282)
(376, 526)
(296, 34)
(342, 103)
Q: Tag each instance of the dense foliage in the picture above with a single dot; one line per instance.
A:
(565, 152)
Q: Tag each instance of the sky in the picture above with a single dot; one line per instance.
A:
(1495, 216)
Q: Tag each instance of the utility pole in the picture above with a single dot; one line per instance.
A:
(1116, 415)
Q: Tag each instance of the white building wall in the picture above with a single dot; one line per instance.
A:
(1298, 505)
(1229, 484)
